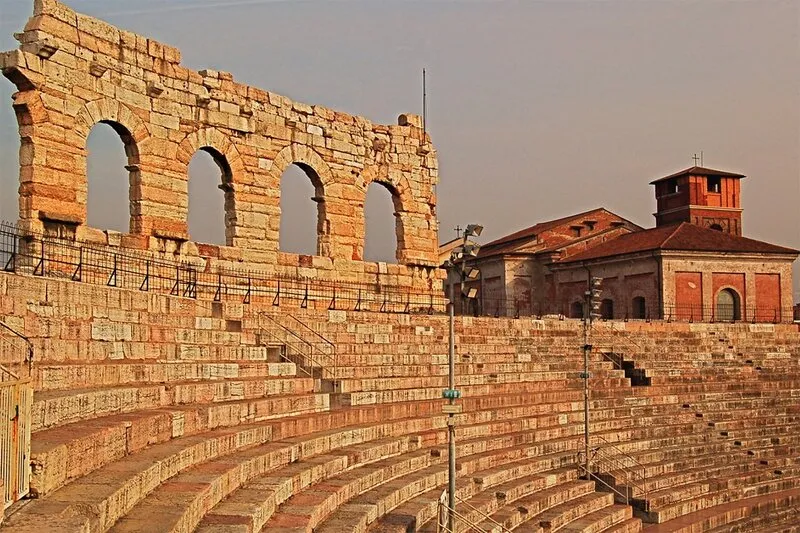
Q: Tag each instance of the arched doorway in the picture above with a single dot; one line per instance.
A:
(576, 309)
(639, 307)
(728, 306)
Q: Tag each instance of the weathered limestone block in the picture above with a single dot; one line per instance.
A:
(74, 71)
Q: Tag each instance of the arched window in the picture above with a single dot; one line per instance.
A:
(715, 227)
(576, 309)
(210, 210)
(639, 307)
(382, 225)
(302, 210)
(607, 308)
(111, 171)
(728, 306)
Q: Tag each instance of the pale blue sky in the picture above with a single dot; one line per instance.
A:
(538, 109)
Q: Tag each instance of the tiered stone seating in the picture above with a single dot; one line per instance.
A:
(180, 421)
(751, 431)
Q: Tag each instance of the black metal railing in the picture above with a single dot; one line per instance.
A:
(42, 254)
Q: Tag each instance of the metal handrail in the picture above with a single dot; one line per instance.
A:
(443, 528)
(29, 344)
(301, 352)
(484, 515)
(326, 342)
(315, 333)
(633, 477)
(592, 475)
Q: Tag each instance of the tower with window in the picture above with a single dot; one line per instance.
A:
(701, 196)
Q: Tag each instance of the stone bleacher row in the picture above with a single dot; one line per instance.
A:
(155, 413)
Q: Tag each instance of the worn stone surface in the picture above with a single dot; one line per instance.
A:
(73, 71)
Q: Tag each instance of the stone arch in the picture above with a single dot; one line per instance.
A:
(402, 199)
(322, 178)
(132, 130)
(227, 158)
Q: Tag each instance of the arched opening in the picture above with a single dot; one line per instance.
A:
(383, 228)
(728, 306)
(607, 309)
(111, 174)
(576, 309)
(302, 210)
(639, 307)
(210, 212)
(716, 227)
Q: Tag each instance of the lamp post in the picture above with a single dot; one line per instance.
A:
(456, 266)
(591, 310)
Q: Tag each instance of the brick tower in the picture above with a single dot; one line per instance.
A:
(702, 196)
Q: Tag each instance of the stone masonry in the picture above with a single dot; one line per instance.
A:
(73, 71)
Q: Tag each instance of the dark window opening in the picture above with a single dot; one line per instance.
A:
(639, 307)
(607, 309)
(576, 310)
(576, 230)
(715, 227)
(714, 184)
(672, 186)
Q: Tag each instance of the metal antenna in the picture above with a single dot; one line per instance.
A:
(701, 158)
(424, 103)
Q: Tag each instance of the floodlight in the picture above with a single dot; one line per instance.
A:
(470, 293)
(470, 249)
(472, 273)
(473, 229)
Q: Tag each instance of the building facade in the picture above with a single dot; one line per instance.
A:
(694, 265)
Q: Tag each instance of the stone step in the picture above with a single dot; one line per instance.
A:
(420, 394)
(71, 451)
(486, 492)
(600, 520)
(631, 525)
(182, 502)
(253, 504)
(564, 513)
(77, 374)
(55, 408)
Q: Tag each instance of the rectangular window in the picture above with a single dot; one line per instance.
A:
(714, 184)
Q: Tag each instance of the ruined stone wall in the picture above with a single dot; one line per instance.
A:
(73, 71)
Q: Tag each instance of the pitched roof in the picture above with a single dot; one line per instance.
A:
(700, 171)
(683, 236)
(536, 229)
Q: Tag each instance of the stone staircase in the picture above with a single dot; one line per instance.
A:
(201, 425)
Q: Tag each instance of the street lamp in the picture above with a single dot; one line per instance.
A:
(591, 310)
(456, 265)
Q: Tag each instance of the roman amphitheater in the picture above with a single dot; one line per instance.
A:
(151, 383)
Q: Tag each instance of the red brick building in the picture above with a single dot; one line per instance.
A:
(694, 265)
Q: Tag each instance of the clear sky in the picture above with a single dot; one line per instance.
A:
(538, 109)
